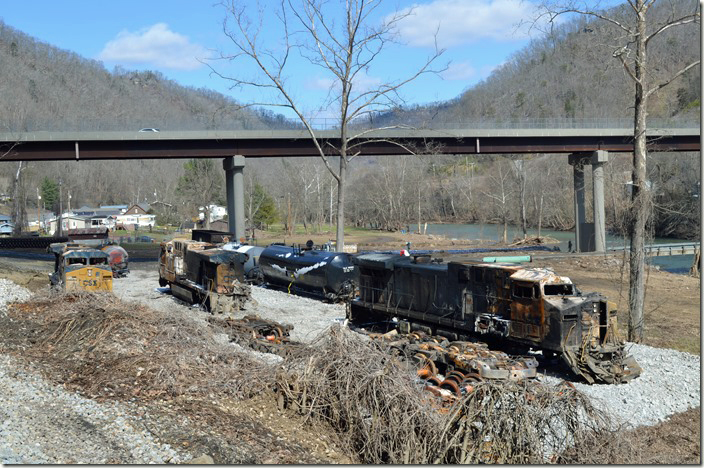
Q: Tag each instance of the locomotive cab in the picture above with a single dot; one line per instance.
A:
(81, 269)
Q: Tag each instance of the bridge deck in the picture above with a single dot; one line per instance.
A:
(38, 146)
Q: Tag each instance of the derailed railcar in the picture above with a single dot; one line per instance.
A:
(329, 274)
(118, 259)
(201, 273)
(528, 307)
(251, 267)
(80, 268)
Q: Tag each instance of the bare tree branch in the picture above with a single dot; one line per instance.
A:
(672, 78)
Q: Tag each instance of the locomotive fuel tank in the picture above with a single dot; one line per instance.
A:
(330, 274)
(530, 307)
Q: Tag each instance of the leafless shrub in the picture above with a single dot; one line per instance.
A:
(378, 408)
(109, 348)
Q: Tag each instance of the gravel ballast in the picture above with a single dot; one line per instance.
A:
(669, 384)
(44, 423)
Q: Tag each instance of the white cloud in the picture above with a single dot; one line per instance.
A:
(464, 21)
(459, 71)
(157, 46)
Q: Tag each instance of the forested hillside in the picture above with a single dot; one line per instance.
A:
(569, 74)
(46, 88)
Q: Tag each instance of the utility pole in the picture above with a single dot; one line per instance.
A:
(39, 222)
(59, 230)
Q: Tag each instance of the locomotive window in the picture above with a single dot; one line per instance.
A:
(522, 291)
(558, 289)
(478, 276)
(76, 261)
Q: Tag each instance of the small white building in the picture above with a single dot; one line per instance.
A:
(68, 222)
(217, 212)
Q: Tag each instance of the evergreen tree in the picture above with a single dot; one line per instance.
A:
(50, 193)
(266, 212)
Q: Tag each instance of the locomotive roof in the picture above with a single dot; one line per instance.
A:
(540, 275)
(86, 253)
(221, 255)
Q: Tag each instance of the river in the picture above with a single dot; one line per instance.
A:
(493, 232)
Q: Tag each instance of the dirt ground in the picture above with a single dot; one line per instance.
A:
(672, 313)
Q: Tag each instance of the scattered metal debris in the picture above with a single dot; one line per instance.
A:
(266, 336)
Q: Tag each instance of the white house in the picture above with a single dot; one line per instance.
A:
(135, 217)
(69, 222)
(216, 212)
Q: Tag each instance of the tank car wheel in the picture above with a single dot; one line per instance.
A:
(426, 362)
(451, 385)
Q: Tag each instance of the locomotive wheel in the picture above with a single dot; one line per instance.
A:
(473, 378)
(450, 384)
(426, 362)
(162, 282)
(456, 376)
(433, 381)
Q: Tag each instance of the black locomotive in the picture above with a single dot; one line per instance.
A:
(528, 307)
(320, 272)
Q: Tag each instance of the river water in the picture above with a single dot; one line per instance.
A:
(493, 233)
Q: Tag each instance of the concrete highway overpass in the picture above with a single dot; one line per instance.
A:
(589, 146)
(53, 146)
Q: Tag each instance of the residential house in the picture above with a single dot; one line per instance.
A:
(135, 218)
(70, 221)
(6, 228)
(119, 208)
(216, 212)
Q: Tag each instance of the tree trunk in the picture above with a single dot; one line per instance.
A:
(19, 211)
(340, 235)
(636, 292)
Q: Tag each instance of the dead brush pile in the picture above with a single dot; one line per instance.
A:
(377, 407)
(107, 348)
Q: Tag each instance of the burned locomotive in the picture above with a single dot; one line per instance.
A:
(511, 304)
(320, 272)
(80, 268)
(200, 272)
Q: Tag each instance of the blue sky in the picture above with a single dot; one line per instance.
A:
(170, 36)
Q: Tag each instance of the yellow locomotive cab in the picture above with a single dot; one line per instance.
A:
(83, 269)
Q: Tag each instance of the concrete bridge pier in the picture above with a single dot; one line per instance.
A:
(234, 186)
(589, 237)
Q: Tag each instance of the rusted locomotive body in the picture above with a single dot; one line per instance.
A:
(528, 307)
(330, 274)
(200, 272)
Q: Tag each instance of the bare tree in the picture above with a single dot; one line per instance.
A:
(637, 32)
(19, 200)
(200, 185)
(519, 172)
(344, 48)
(501, 193)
